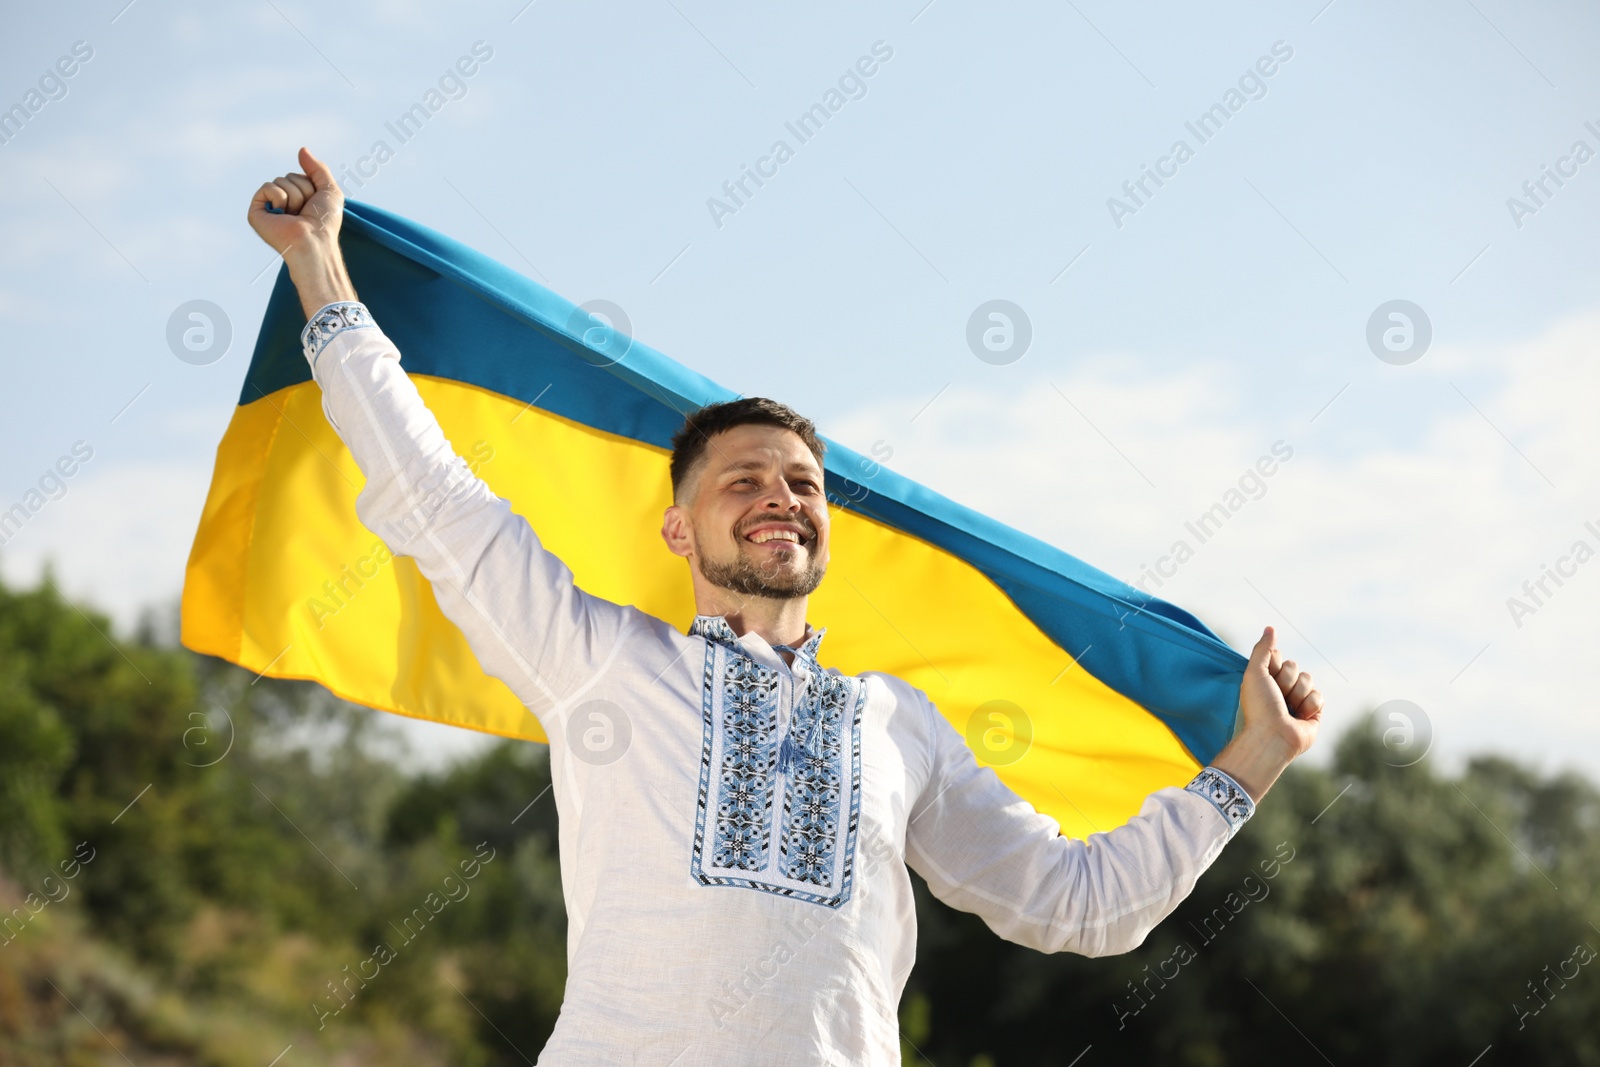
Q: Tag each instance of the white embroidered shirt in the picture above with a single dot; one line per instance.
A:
(735, 830)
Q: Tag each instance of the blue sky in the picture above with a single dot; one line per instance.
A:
(1168, 353)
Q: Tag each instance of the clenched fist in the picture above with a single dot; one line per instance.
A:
(1277, 695)
(299, 216)
(1280, 712)
(290, 209)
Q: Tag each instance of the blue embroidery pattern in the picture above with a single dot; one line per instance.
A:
(815, 840)
(811, 799)
(1229, 798)
(331, 321)
(749, 756)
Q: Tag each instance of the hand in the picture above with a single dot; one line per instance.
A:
(1280, 713)
(1277, 699)
(299, 210)
(299, 216)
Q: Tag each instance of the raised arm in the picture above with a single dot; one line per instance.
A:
(299, 215)
(983, 849)
(524, 618)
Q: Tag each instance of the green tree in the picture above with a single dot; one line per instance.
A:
(1406, 929)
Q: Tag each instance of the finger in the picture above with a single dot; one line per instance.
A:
(1286, 676)
(1311, 707)
(302, 183)
(316, 170)
(295, 197)
(1261, 654)
(269, 195)
(1300, 690)
(299, 187)
(1274, 656)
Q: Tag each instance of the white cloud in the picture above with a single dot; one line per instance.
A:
(1386, 552)
(1391, 539)
(120, 536)
(120, 539)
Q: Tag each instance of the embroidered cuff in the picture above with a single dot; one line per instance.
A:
(332, 320)
(1228, 796)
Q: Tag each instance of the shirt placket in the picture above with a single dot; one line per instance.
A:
(791, 692)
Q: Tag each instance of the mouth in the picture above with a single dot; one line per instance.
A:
(785, 535)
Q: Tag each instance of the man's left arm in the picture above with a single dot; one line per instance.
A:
(983, 849)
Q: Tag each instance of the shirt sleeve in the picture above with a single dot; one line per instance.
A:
(985, 850)
(515, 602)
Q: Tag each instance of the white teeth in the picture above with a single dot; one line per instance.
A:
(775, 535)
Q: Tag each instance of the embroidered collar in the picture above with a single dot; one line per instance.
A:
(716, 628)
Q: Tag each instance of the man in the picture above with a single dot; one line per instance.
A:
(735, 819)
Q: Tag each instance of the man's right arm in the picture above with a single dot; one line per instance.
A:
(515, 602)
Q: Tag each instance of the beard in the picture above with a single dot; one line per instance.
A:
(746, 578)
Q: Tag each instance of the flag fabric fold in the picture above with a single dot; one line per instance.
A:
(1083, 693)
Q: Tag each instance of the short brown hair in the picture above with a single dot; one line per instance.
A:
(689, 443)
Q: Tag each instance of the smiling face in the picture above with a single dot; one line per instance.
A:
(753, 517)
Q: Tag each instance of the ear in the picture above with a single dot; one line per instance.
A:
(676, 532)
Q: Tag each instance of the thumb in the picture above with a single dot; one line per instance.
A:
(1264, 657)
(321, 177)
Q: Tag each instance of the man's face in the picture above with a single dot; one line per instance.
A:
(755, 520)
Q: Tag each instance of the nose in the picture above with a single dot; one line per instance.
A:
(782, 498)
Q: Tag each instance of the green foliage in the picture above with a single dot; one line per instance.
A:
(253, 844)
(249, 844)
(1405, 927)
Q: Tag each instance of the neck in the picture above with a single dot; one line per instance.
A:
(779, 622)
